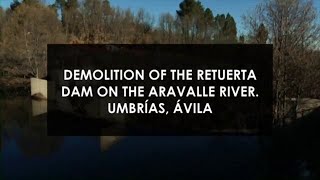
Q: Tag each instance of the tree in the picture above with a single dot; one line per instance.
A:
(26, 34)
(242, 39)
(60, 6)
(192, 16)
(64, 5)
(167, 25)
(31, 2)
(93, 21)
(190, 8)
(226, 29)
(14, 4)
(71, 4)
(261, 35)
(143, 26)
(231, 29)
(208, 25)
(71, 18)
(2, 21)
(294, 32)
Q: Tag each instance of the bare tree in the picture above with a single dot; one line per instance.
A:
(2, 19)
(92, 21)
(123, 26)
(72, 20)
(294, 32)
(143, 26)
(26, 34)
(167, 28)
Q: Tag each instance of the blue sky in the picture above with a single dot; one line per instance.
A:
(156, 7)
(235, 7)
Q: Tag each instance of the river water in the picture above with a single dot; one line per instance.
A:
(28, 153)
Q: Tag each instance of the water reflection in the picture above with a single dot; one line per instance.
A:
(28, 128)
(29, 153)
(107, 141)
(39, 107)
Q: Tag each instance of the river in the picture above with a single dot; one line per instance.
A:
(28, 153)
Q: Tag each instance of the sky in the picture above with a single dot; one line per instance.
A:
(156, 7)
(236, 8)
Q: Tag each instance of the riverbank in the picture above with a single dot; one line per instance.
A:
(14, 82)
(14, 86)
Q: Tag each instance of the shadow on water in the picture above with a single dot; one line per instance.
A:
(291, 153)
(295, 149)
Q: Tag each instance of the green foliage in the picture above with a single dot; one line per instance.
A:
(96, 21)
(14, 5)
(208, 16)
(190, 8)
(199, 25)
(226, 29)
